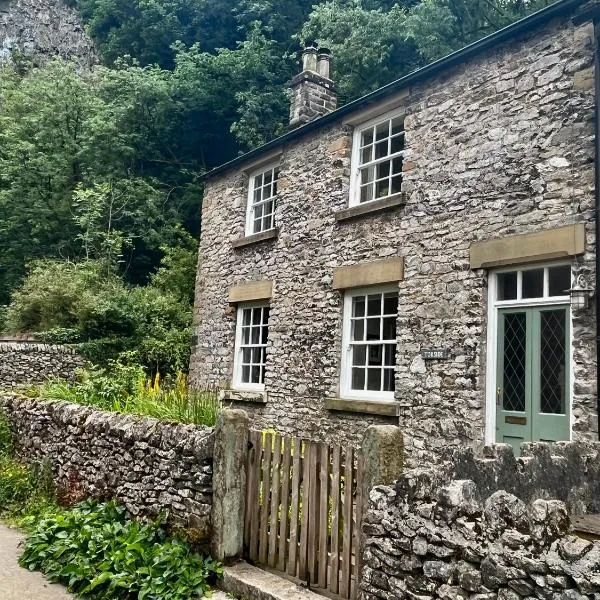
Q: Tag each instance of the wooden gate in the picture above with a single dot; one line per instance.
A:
(303, 510)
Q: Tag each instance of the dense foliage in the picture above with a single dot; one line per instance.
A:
(98, 553)
(127, 389)
(104, 167)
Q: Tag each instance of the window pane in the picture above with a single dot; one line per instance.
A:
(374, 380)
(388, 380)
(268, 177)
(358, 330)
(390, 354)
(255, 337)
(397, 166)
(382, 130)
(366, 193)
(373, 329)
(246, 354)
(367, 174)
(390, 304)
(507, 286)
(533, 283)
(358, 379)
(246, 316)
(559, 280)
(366, 155)
(258, 211)
(264, 336)
(396, 184)
(257, 181)
(245, 335)
(256, 316)
(256, 355)
(389, 328)
(382, 188)
(374, 304)
(358, 307)
(397, 125)
(255, 374)
(245, 374)
(383, 169)
(359, 356)
(376, 355)
(397, 144)
(367, 137)
(257, 195)
(381, 149)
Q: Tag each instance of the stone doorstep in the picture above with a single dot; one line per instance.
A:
(251, 583)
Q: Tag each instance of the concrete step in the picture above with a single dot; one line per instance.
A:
(251, 583)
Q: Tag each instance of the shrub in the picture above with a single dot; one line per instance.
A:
(98, 553)
(125, 388)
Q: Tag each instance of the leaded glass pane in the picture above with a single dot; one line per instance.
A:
(514, 361)
(553, 372)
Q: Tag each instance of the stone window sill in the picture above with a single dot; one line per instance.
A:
(373, 407)
(256, 238)
(243, 396)
(370, 208)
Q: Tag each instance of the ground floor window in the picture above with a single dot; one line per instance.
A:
(251, 346)
(369, 344)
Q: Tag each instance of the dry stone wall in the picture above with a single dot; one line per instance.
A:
(27, 362)
(500, 145)
(43, 29)
(435, 536)
(148, 465)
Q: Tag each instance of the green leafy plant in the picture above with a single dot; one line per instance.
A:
(127, 389)
(97, 552)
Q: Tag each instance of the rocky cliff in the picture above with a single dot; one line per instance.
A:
(42, 29)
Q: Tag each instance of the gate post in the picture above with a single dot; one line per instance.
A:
(381, 462)
(229, 484)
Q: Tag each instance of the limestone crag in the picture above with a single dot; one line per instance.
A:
(43, 29)
(428, 537)
(26, 362)
(148, 465)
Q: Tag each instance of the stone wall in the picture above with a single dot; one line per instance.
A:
(43, 29)
(147, 465)
(30, 362)
(500, 145)
(436, 536)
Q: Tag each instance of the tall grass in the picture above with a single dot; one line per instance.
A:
(127, 389)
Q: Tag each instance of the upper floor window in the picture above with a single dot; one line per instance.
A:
(262, 194)
(369, 339)
(377, 160)
(252, 333)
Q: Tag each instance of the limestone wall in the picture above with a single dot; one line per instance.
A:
(43, 29)
(432, 536)
(30, 362)
(147, 465)
(498, 146)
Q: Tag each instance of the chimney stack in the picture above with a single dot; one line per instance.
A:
(312, 90)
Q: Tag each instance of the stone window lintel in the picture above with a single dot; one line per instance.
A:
(243, 396)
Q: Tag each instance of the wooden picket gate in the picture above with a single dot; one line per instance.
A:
(303, 511)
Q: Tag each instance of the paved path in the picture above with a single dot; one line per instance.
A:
(20, 584)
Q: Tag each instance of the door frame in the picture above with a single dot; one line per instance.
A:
(493, 306)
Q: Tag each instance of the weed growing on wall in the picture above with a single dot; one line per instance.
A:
(127, 389)
(24, 491)
(98, 553)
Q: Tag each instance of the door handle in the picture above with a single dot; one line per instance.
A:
(498, 395)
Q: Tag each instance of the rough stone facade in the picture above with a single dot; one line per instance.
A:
(435, 536)
(148, 465)
(27, 362)
(43, 29)
(500, 145)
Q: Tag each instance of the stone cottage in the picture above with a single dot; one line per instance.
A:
(423, 256)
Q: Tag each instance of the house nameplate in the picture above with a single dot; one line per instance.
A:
(435, 353)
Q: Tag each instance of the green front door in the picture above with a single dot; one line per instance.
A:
(532, 393)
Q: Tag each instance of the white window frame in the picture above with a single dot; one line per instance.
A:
(346, 391)
(238, 384)
(355, 161)
(492, 334)
(250, 206)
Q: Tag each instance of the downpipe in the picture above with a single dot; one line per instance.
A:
(597, 205)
